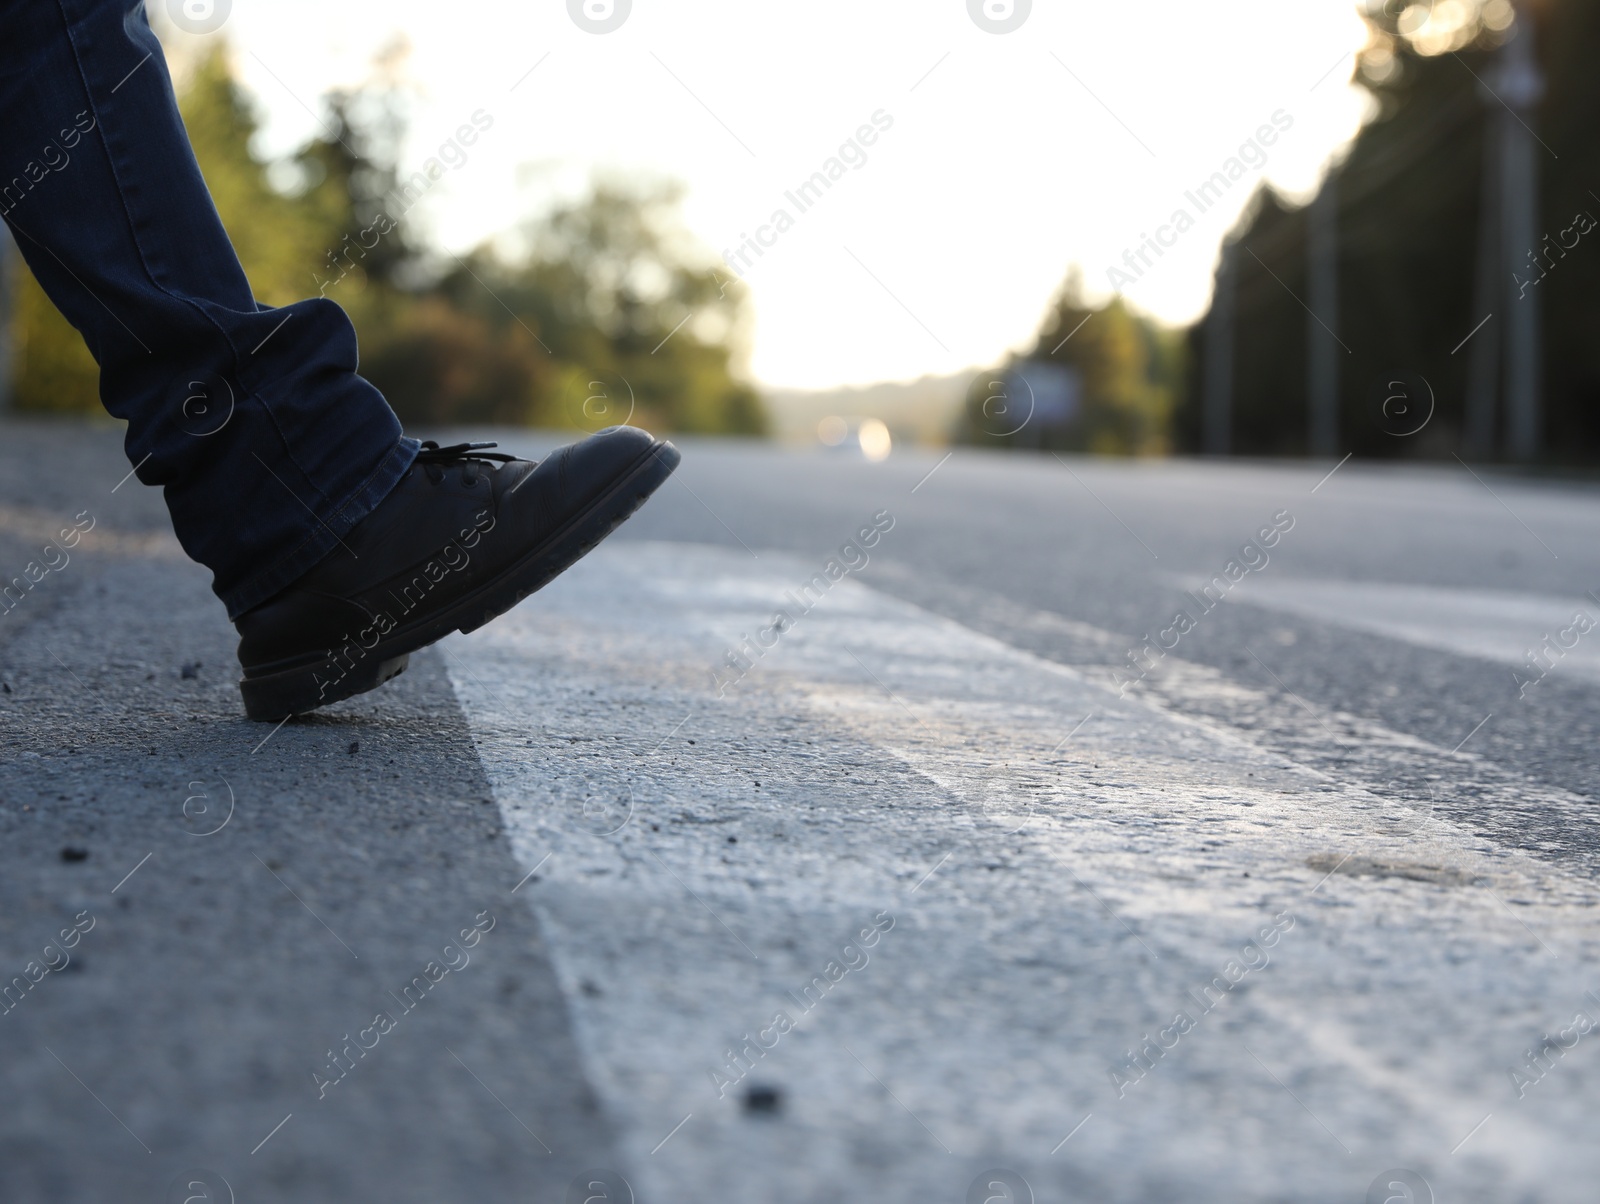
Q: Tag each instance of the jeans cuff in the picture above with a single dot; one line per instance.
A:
(325, 534)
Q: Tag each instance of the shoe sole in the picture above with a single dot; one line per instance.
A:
(273, 697)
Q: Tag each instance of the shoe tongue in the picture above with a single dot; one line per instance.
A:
(418, 520)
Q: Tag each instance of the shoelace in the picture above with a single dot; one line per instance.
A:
(434, 459)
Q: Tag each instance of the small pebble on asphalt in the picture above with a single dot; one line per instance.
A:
(763, 1100)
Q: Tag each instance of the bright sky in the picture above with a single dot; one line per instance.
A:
(1010, 155)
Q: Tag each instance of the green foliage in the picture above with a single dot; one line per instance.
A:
(609, 310)
(1128, 365)
(613, 289)
(438, 365)
(53, 370)
(278, 238)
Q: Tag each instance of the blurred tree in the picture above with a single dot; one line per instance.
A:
(439, 365)
(278, 239)
(348, 177)
(1127, 366)
(1410, 194)
(609, 310)
(52, 369)
(624, 303)
(278, 236)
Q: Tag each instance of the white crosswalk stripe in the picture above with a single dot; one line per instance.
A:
(971, 926)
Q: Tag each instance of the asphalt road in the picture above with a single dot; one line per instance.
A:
(1260, 914)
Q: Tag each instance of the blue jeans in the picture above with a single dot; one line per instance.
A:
(268, 445)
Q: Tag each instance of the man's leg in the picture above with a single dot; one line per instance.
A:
(269, 446)
(339, 547)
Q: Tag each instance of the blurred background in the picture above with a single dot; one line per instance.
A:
(1305, 228)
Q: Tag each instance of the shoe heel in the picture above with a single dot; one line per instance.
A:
(273, 697)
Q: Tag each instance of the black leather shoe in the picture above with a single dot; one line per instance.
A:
(463, 537)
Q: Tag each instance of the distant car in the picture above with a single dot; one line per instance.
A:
(867, 436)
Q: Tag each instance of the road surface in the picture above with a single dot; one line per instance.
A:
(937, 829)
